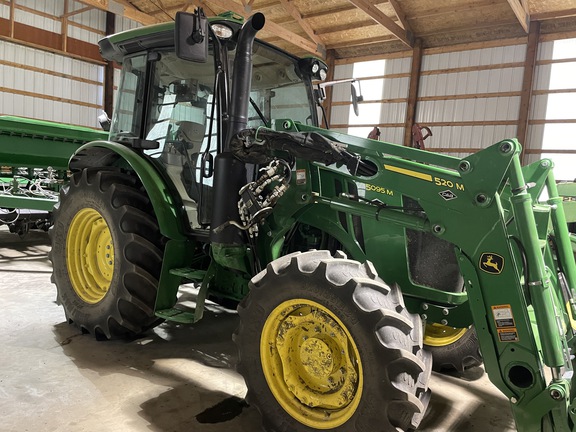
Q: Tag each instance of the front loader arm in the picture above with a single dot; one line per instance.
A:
(483, 205)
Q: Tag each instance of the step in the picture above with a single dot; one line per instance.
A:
(176, 315)
(189, 273)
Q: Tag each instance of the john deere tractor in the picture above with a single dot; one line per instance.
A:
(357, 265)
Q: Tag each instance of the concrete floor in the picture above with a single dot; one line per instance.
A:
(175, 379)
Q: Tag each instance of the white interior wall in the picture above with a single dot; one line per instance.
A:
(45, 85)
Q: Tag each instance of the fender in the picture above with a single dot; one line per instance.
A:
(108, 153)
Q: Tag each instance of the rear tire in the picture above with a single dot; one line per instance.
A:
(106, 254)
(325, 344)
(452, 348)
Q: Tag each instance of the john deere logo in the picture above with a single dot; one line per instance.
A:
(491, 263)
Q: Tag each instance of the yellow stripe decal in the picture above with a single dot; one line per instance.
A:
(408, 172)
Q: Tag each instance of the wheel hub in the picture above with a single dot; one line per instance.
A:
(311, 364)
(90, 255)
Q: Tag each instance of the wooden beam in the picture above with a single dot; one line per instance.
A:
(401, 15)
(194, 3)
(566, 13)
(527, 86)
(64, 25)
(122, 10)
(76, 12)
(274, 29)
(456, 8)
(413, 91)
(521, 12)
(12, 18)
(384, 20)
(335, 10)
(288, 5)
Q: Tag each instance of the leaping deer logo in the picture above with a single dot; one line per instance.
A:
(491, 263)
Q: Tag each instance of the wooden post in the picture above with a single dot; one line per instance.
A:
(527, 85)
(12, 3)
(413, 91)
(109, 69)
(64, 29)
(331, 62)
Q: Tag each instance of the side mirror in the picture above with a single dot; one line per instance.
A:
(191, 36)
(356, 97)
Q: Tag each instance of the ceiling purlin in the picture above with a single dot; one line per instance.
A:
(377, 15)
(335, 10)
(186, 5)
(291, 9)
(401, 15)
(520, 9)
(161, 8)
(542, 16)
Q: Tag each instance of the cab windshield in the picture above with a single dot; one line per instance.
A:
(278, 89)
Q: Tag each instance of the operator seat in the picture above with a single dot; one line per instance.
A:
(192, 134)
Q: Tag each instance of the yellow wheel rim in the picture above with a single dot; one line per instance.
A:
(438, 335)
(311, 364)
(89, 255)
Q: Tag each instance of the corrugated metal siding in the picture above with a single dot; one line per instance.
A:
(384, 93)
(474, 73)
(37, 21)
(4, 11)
(50, 7)
(553, 110)
(478, 57)
(125, 24)
(68, 99)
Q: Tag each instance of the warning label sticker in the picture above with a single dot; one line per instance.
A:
(301, 177)
(508, 335)
(503, 316)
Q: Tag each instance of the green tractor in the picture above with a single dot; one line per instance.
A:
(358, 265)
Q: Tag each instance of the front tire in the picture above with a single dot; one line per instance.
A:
(324, 344)
(106, 254)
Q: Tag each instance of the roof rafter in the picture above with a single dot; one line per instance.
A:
(194, 3)
(400, 14)
(381, 18)
(288, 5)
(520, 9)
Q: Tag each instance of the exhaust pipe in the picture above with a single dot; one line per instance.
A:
(230, 173)
(241, 81)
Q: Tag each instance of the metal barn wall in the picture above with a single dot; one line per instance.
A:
(385, 90)
(51, 84)
(553, 109)
(471, 99)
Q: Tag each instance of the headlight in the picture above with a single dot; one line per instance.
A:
(313, 67)
(222, 31)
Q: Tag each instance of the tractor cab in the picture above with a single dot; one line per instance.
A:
(176, 108)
